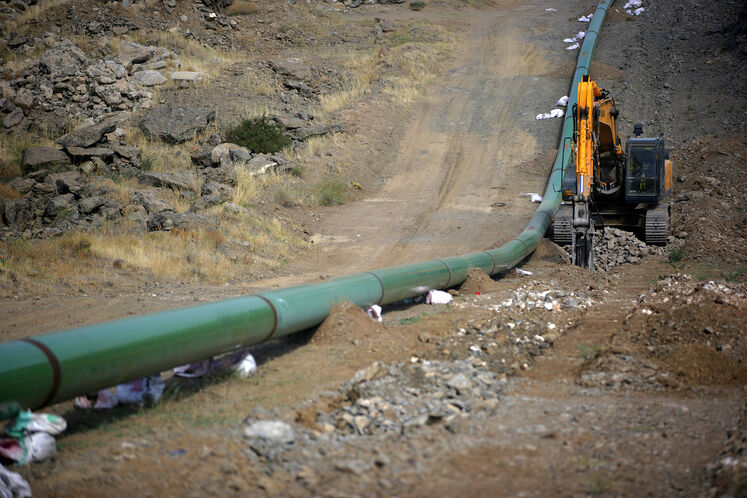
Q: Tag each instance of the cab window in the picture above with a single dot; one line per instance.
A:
(642, 169)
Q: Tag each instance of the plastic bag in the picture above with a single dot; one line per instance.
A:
(246, 367)
(12, 485)
(194, 370)
(145, 391)
(438, 297)
(28, 422)
(374, 311)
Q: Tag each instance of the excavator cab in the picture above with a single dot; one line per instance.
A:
(648, 171)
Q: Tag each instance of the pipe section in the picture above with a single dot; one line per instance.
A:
(50, 368)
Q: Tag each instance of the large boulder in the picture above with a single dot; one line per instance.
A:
(64, 59)
(170, 179)
(148, 78)
(292, 67)
(63, 205)
(42, 156)
(87, 135)
(133, 53)
(151, 200)
(169, 220)
(175, 124)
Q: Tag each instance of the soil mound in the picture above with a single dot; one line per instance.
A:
(348, 322)
(547, 250)
(477, 281)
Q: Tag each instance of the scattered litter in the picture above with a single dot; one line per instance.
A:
(212, 15)
(438, 297)
(551, 10)
(578, 36)
(147, 390)
(194, 370)
(555, 113)
(646, 311)
(106, 400)
(572, 47)
(246, 367)
(636, 12)
(632, 4)
(562, 101)
(374, 312)
(534, 197)
(32, 434)
(586, 18)
(12, 485)
(524, 272)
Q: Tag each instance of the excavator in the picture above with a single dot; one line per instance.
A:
(606, 186)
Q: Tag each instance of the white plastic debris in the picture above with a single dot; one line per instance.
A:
(438, 297)
(578, 36)
(374, 312)
(524, 272)
(586, 18)
(533, 196)
(32, 434)
(12, 485)
(246, 367)
(636, 12)
(212, 15)
(555, 113)
(106, 400)
(632, 4)
(194, 370)
(646, 311)
(572, 47)
(562, 101)
(148, 389)
(551, 10)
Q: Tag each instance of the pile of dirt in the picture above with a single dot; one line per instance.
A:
(710, 198)
(477, 282)
(348, 322)
(695, 330)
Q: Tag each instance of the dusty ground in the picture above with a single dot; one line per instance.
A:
(637, 389)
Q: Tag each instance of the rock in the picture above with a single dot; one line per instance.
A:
(22, 185)
(202, 157)
(241, 155)
(292, 67)
(127, 151)
(186, 75)
(221, 190)
(18, 213)
(273, 431)
(356, 467)
(62, 205)
(91, 204)
(15, 40)
(169, 220)
(132, 53)
(14, 118)
(109, 94)
(222, 174)
(291, 122)
(67, 182)
(315, 131)
(151, 200)
(64, 59)
(87, 135)
(170, 179)
(222, 152)
(24, 99)
(83, 153)
(42, 156)
(205, 202)
(260, 164)
(175, 124)
(149, 78)
(459, 382)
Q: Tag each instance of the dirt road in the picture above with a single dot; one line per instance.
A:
(465, 155)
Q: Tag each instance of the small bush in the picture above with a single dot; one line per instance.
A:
(330, 193)
(417, 5)
(259, 135)
(676, 254)
(147, 163)
(297, 170)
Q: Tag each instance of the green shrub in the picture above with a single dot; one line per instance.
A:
(417, 5)
(330, 192)
(259, 135)
(676, 254)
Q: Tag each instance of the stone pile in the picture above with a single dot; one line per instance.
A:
(402, 397)
(65, 84)
(613, 247)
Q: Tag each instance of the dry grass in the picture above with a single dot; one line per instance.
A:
(242, 8)
(260, 83)
(8, 192)
(33, 12)
(362, 67)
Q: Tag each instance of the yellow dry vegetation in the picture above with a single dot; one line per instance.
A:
(242, 8)
(32, 12)
(245, 243)
(416, 57)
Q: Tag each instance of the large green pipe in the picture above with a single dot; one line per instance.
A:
(46, 369)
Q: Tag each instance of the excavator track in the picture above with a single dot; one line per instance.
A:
(657, 225)
(562, 226)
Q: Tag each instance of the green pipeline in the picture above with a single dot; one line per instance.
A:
(46, 369)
